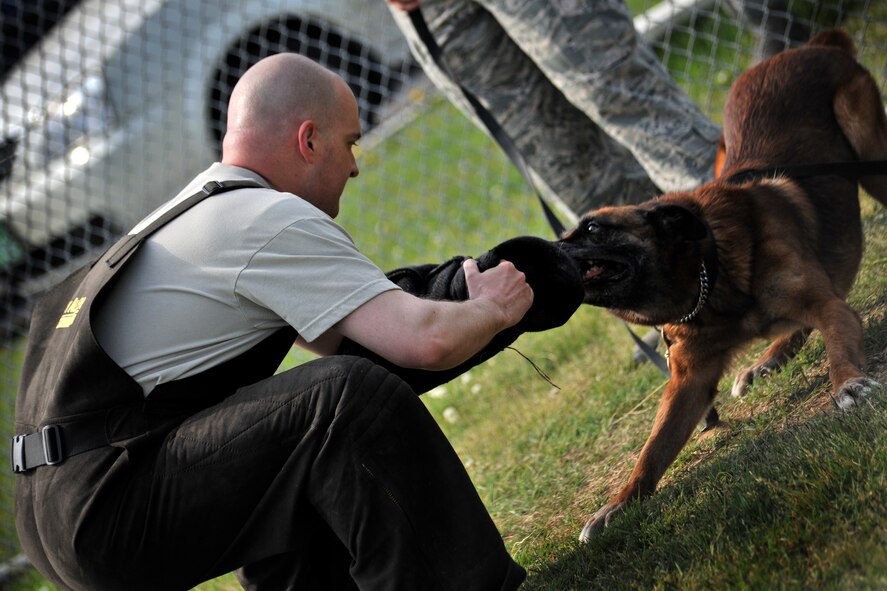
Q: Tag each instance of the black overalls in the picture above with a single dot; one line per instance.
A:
(329, 476)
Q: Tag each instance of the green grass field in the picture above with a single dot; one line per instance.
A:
(788, 493)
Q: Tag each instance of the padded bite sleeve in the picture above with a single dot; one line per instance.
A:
(557, 293)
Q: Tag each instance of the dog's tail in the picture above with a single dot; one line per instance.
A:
(859, 111)
(837, 38)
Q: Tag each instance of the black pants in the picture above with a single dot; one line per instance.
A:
(329, 476)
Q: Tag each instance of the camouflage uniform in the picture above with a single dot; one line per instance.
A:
(589, 105)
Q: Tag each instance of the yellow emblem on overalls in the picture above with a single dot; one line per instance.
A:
(70, 313)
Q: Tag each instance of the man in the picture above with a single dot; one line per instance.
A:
(595, 115)
(194, 462)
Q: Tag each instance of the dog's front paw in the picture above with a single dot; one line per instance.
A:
(853, 390)
(600, 520)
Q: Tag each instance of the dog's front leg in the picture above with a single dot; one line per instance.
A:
(688, 397)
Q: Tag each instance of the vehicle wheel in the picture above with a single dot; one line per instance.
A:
(369, 78)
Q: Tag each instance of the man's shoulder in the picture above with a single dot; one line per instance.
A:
(270, 209)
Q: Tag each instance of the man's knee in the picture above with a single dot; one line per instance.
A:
(284, 409)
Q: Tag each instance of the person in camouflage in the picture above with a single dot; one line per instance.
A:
(587, 102)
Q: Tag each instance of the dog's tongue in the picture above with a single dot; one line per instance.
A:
(594, 272)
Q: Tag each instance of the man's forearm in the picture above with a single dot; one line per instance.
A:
(457, 331)
(417, 333)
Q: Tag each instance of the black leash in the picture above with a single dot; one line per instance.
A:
(651, 353)
(503, 139)
(506, 143)
(850, 170)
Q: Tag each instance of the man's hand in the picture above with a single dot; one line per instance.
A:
(503, 285)
(413, 332)
(405, 5)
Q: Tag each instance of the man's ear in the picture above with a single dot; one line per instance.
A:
(306, 138)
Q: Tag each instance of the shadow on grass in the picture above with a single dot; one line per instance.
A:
(790, 509)
(786, 500)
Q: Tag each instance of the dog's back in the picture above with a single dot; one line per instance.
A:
(793, 91)
(808, 105)
(836, 38)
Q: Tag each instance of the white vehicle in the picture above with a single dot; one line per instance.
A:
(123, 101)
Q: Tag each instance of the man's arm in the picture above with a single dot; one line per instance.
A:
(417, 333)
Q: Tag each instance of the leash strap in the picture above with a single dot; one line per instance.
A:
(507, 144)
(496, 131)
(852, 170)
(658, 360)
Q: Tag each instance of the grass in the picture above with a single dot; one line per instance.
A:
(788, 493)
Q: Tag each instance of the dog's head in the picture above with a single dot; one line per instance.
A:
(641, 261)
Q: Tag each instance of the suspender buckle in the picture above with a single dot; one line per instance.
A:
(53, 452)
(211, 187)
(28, 449)
(18, 454)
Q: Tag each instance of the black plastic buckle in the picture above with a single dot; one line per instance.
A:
(211, 187)
(18, 453)
(53, 452)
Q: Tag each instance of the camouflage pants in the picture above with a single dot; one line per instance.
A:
(588, 103)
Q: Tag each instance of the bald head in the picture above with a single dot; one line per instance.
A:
(294, 122)
(280, 91)
(284, 117)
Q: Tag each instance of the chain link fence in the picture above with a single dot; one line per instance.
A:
(108, 107)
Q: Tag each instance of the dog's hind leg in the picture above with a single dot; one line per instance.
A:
(777, 355)
(860, 113)
(841, 330)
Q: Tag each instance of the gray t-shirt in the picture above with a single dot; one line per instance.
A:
(226, 274)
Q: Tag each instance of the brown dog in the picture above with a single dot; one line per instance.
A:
(737, 260)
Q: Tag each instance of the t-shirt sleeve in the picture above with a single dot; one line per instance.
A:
(311, 275)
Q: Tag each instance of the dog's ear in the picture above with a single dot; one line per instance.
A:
(677, 222)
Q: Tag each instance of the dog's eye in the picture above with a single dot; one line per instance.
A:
(592, 227)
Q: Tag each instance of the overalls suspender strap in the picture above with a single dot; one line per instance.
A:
(78, 432)
(126, 244)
